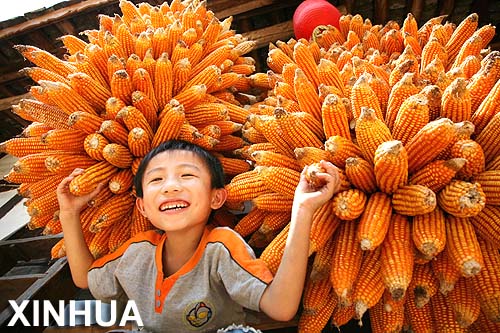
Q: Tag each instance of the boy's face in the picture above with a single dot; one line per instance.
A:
(177, 191)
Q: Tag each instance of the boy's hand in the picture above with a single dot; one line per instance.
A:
(312, 198)
(70, 203)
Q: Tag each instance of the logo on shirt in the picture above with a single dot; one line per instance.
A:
(198, 314)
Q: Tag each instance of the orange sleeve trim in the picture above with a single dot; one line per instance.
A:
(239, 253)
(150, 236)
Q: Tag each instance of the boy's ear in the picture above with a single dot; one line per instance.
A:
(219, 196)
(139, 202)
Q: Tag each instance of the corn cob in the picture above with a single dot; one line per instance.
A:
(374, 221)
(273, 253)
(62, 139)
(279, 179)
(114, 132)
(486, 224)
(44, 205)
(483, 324)
(473, 153)
(436, 175)
(42, 112)
(314, 322)
(369, 287)
(90, 89)
(390, 166)
(444, 319)
(445, 271)
(37, 74)
(246, 186)
(120, 234)
(464, 303)
(487, 139)
(360, 173)
(270, 158)
(65, 163)
(111, 212)
(346, 262)
(85, 122)
(98, 245)
(349, 204)
(250, 222)
(39, 221)
(399, 93)
(413, 200)
(396, 257)
(316, 294)
(53, 227)
(370, 132)
(462, 199)
(382, 320)
(463, 246)
(121, 181)
(33, 164)
(485, 111)
(362, 95)
(94, 144)
(423, 284)
(272, 223)
(429, 235)
(117, 155)
(322, 263)
(92, 176)
(462, 32)
(420, 318)
(45, 60)
(429, 142)
(341, 149)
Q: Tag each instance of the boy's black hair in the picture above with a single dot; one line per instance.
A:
(211, 162)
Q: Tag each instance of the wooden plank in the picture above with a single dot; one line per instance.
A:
(6, 103)
(29, 248)
(13, 288)
(262, 37)
(53, 17)
(55, 285)
(230, 9)
(7, 206)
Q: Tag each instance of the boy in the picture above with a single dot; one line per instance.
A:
(187, 276)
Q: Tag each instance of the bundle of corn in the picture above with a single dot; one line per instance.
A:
(409, 117)
(152, 74)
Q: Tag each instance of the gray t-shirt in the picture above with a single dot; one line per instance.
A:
(207, 293)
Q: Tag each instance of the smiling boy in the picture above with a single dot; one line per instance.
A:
(186, 276)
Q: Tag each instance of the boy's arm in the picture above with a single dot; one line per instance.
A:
(281, 298)
(79, 257)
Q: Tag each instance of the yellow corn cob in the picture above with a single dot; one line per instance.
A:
(487, 282)
(91, 177)
(120, 234)
(428, 143)
(487, 138)
(382, 320)
(349, 204)
(245, 186)
(445, 271)
(444, 319)
(323, 227)
(399, 93)
(142, 81)
(133, 117)
(413, 200)
(486, 109)
(64, 139)
(342, 315)
(273, 253)
(66, 98)
(370, 132)
(374, 221)
(250, 222)
(310, 155)
(390, 166)
(276, 59)
(486, 224)
(464, 303)
(113, 105)
(139, 142)
(94, 144)
(462, 199)
(473, 153)
(37, 74)
(286, 90)
(460, 35)
(433, 70)
(472, 46)
(322, 263)
(85, 122)
(114, 210)
(360, 173)
(456, 101)
(114, 132)
(329, 74)
(44, 205)
(412, 116)
(298, 134)
(228, 143)
(436, 175)
(98, 245)
(463, 247)
(20, 147)
(142, 102)
(362, 95)
(483, 324)
(489, 181)
(233, 166)
(396, 257)
(315, 322)
(35, 129)
(117, 155)
(279, 179)
(65, 163)
(91, 90)
(42, 186)
(369, 287)
(346, 262)
(306, 94)
(420, 318)
(341, 149)
(42, 112)
(44, 59)
(206, 113)
(122, 86)
(92, 62)
(139, 223)
(114, 64)
(423, 284)
(429, 235)
(121, 181)
(53, 227)
(40, 221)
(270, 158)
(470, 66)
(305, 60)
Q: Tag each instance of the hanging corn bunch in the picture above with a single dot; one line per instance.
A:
(410, 118)
(152, 74)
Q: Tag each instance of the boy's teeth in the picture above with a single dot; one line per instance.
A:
(172, 206)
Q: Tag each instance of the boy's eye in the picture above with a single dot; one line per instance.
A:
(187, 175)
(155, 179)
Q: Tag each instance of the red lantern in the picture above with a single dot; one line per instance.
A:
(311, 13)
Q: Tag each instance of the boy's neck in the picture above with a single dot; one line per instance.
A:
(179, 248)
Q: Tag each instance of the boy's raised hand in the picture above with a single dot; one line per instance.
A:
(309, 197)
(70, 203)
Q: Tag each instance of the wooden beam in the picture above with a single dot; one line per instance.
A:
(281, 31)
(231, 10)
(53, 17)
(6, 103)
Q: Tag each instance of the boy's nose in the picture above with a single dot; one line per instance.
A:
(171, 185)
